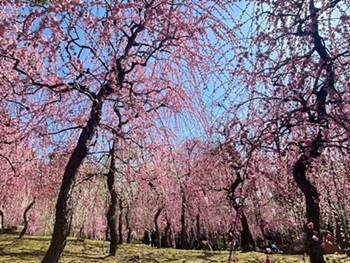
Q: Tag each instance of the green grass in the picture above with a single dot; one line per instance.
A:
(31, 249)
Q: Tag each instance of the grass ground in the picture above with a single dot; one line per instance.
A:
(32, 248)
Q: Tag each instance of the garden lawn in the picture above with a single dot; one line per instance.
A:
(31, 249)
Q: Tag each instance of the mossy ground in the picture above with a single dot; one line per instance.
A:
(31, 249)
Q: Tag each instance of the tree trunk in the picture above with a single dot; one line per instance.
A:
(127, 224)
(25, 219)
(81, 236)
(247, 241)
(313, 237)
(166, 239)
(198, 228)
(70, 224)
(112, 209)
(183, 233)
(1, 220)
(63, 210)
(224, 243)
(120, 222)
(157, 233)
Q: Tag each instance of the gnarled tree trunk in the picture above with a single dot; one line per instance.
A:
(25, 218)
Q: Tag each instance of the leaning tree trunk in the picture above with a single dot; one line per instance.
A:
(63, 210)
(112, 209)
(25, 218)
(157, 234)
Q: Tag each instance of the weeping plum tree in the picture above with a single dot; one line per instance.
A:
(75, 66)
(294, 66)
(231, 158)
(72, 70)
